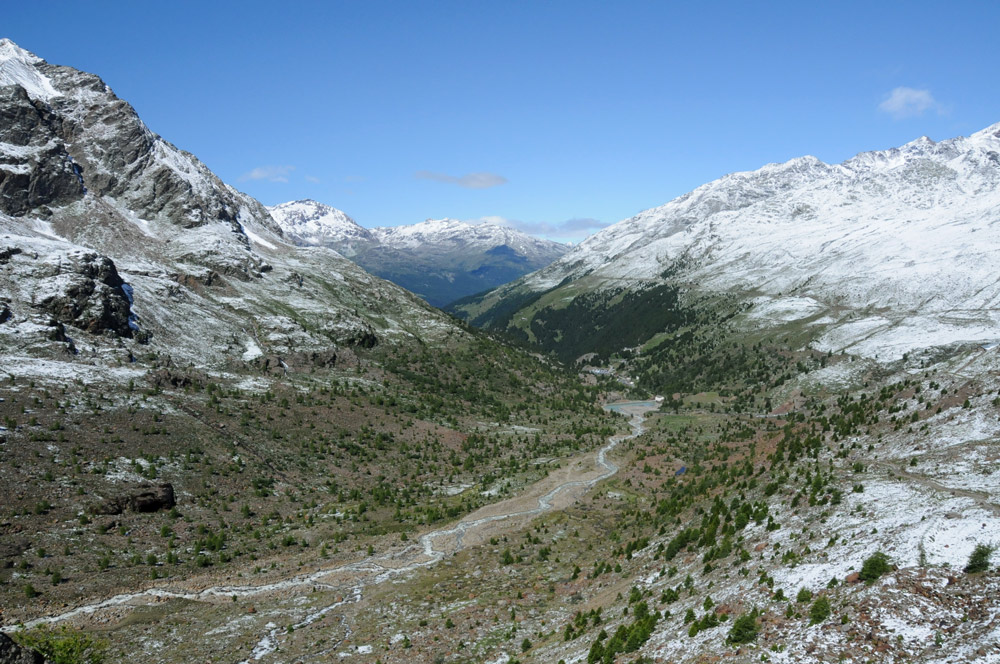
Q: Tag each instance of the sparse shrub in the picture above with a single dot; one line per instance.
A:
(874, 566)
(979, 559)
(63, 645)
(819, 611)
(744, 629)
(804, 595)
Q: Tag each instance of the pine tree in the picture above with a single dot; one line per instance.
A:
(979, 559)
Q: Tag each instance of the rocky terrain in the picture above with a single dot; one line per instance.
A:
(440, 260)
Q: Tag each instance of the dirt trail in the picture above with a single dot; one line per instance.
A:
(556, 491)
(981, 498)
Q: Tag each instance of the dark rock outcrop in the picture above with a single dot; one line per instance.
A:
(153, 500)
(12, 545)
(39, 171)
(87, 293)
(11, 653)
(145, 499)
(363, 338)
(9, 252)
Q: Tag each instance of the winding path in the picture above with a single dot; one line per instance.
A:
(981, 498)
(379, 568)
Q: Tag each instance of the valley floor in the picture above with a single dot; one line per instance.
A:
(653, 548)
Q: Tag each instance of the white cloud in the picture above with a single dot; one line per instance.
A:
(470, 181)
(571, 229)
(312, 178)
(905, 102)
(269, 173)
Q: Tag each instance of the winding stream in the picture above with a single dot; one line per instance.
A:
(377, 568)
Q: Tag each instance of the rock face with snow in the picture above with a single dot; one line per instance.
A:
(85, 290)
(440, 260)
(108, 233)
(885, 253)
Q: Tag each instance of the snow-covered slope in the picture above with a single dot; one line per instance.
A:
(110, 237)
(894, 249)
(440, 260)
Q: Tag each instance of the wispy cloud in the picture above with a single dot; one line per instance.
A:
(571, 229)
(905, 102)
(470, 181)
(269, 173)
(312, 178)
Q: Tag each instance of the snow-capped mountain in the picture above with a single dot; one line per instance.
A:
(441, 260)
(453, 234)
(888, 252)
(107, 228)
(310, 223)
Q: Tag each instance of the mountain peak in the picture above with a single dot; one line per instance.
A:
(922, 141)
(991, 132)
(310, 222)
(447, 231)
(11, 51)
(17, 67)
(304, 204)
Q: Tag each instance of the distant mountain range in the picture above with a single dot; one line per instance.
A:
(440, 260)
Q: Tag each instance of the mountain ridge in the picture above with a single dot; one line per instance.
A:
(85, 183)
(906, 232)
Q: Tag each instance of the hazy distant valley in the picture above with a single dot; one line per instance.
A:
(757, 423)
(440, 260)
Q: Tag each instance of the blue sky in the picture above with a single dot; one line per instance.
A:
(559, 117)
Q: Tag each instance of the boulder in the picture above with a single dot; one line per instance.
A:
(155, 499)
(144, 499)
